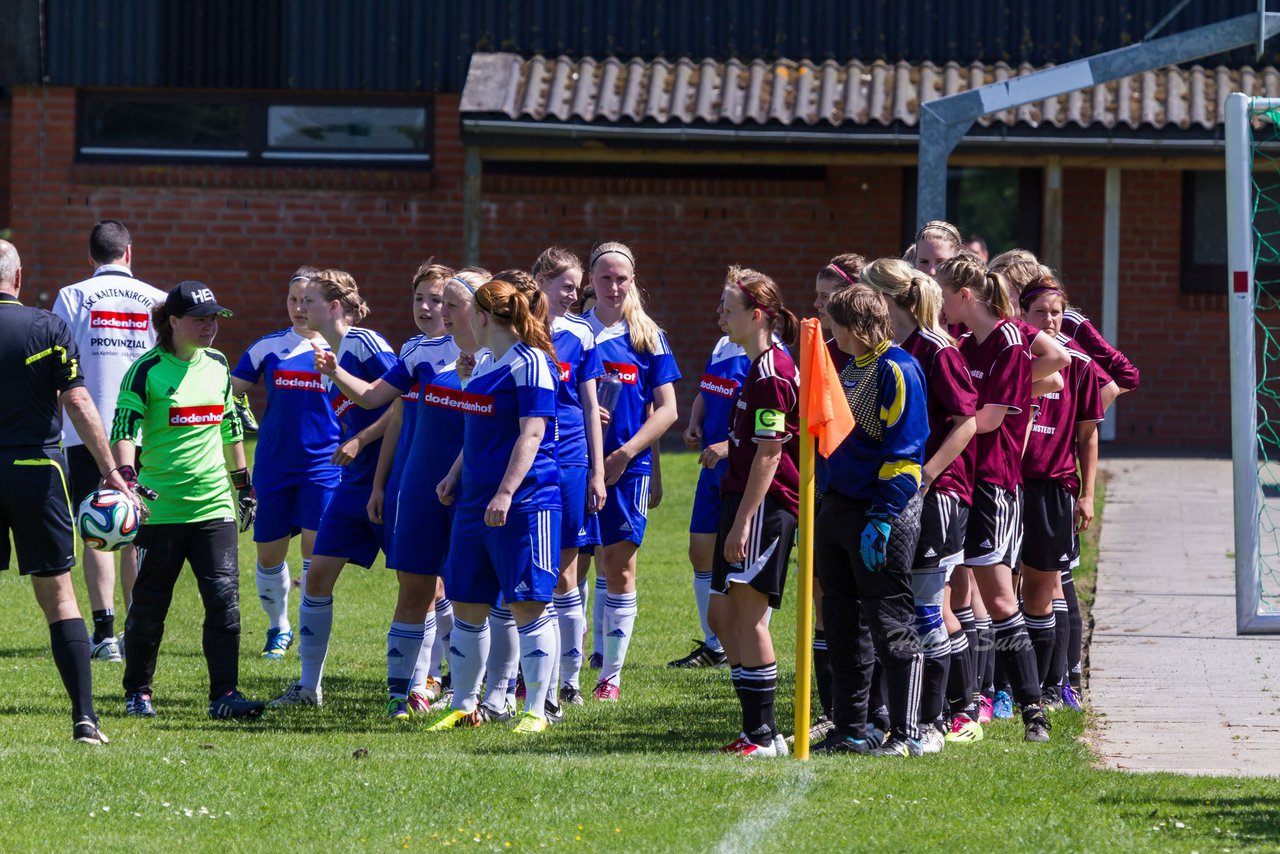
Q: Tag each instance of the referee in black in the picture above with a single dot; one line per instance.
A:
(41, 370)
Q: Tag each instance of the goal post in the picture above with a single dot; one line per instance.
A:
(1255, 455)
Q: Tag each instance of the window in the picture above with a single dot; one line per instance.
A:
(1204, 235)
(1002, 206)
(199, 127)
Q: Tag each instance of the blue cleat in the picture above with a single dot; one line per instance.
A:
(1002, 708)
(1071, 698)
(278, 642)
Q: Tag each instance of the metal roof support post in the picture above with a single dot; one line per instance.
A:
(944, 121)
(472, 213)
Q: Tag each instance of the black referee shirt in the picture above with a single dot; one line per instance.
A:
(38, 359)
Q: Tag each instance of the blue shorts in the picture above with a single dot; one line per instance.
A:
(705, 518)
(626, 510)
(289, 503)
(573, 507)
(345, 530)
(420, 539)
(519, 561)
(592, 538)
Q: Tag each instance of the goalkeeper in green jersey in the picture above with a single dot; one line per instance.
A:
(179, 395)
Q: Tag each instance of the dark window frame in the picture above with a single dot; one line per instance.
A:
(255, 149)
(1030, 205)
(1198, 278)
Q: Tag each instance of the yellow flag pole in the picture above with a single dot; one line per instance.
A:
(804, 593)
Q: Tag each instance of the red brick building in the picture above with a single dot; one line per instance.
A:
(799, 173)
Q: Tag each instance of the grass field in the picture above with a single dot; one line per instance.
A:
(635, 775)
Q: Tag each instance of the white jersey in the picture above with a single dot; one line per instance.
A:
(109, 315)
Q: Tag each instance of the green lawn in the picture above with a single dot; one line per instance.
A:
(635, 775)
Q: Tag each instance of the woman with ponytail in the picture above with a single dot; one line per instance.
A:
(760, 494)
(638, 361)
(507, 488)
(996, 351)
(915, 305)
(334, 308)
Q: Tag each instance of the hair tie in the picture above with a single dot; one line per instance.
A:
(841, 273)
(465, 284)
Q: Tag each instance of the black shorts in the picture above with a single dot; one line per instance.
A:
(991, 536)
(943, 520)
(36, 506)
(1050, 542)
(83, 476)
(770, 537)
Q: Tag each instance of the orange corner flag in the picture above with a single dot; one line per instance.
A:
(822, 401)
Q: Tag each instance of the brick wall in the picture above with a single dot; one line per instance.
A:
(5, 125)
(243, 230)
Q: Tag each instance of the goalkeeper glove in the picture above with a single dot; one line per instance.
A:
(875, 540)
(130, 477)
(246, 498)
(245, 412)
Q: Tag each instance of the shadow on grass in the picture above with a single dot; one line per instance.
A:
(1255, 819)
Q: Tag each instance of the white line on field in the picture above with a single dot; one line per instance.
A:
(748, 835)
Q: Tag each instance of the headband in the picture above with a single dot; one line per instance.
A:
(752, 301)
(600, 255)
(465, 284)
(1029, 296)
(841, 273)
(299, 279)
(940, 225)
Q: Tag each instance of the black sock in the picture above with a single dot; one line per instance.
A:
(759, 685)
(1014, 644)
(1076, 624)
(1043, 631)
(970, 629)
(104, 625)
(933, 691)
(822, 672)
(960, 679)
(987, 651)
(1058, 664)
(878, 702)
(70, 643)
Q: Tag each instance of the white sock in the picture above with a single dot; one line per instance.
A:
(418, 682)
(468, 650)
(573, 623)
(444, 625)
(537, 645)
(702, 593)
(306, 567)
(273, 594)
(315, 624)
(619, 622)
(553, 683)
(404, 642)
(597, 614)
(504, 657)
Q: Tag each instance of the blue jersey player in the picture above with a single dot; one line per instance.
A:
(293, 467)
(334, 305)
(638, 361)
(506, 485)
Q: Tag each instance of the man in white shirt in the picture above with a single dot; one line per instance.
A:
(109, 315)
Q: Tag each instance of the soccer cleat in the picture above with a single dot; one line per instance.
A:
(931, 740)
(606, 691)
(838, 742)
(896, 745)
(780, 745)
(530, 724)
(233, 704)
(456, 719)
(1036, 724)
(736, 745)
(445, 701)
(486, 715)
(138, 705)
(964, 730)
(433, 689)
(554, 713)
(596, 661)
(985, 709)
(107, 649)
(570, 696)
(1002, 707)
(298, 696)
(1051, 700)
(398, 709)
(87, 732)
(417, 703)
(751, 750)
(520, 689)
(821, 728)
(702, 656)
(278, 642)
(1072, 699)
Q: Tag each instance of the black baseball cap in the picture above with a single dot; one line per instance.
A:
(195, 299)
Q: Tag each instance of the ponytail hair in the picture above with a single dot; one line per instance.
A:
(644, 332)
(966, 271)
(758, 291)
(843, 270)
(910, 289)
(160, 323)
(1040, 286)
(340, 286)
(528, 286)
(508, 307)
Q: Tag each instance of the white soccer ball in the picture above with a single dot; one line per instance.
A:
(107, 521)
